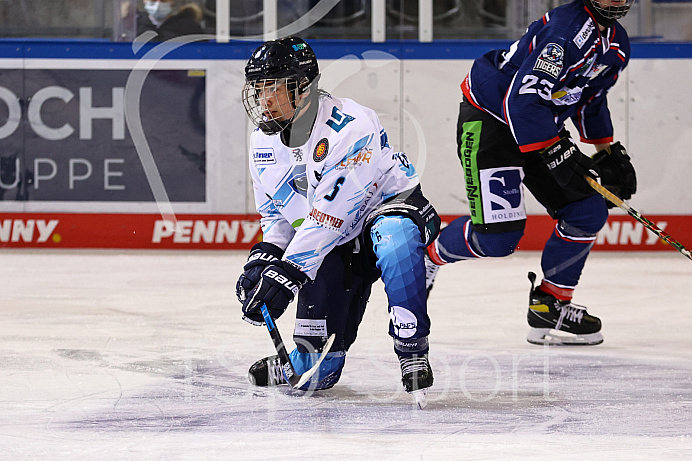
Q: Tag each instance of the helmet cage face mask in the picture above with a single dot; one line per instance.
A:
(612, 13)
(271, 104)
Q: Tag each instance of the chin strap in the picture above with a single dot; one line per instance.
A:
(302, 127)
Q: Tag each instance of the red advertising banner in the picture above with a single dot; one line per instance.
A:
(128, 231)
(240, 232)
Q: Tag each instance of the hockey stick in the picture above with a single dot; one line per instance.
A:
(294, 379)
(635, 214)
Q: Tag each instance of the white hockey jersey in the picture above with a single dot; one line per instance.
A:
(316, 196)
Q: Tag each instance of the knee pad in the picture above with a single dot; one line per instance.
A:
(328, 373)
(498, 244)
(395, 236)
(585, 217)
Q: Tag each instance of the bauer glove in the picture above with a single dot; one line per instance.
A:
(617, 171)
(278, 286)
(261, 255)
(568, 165)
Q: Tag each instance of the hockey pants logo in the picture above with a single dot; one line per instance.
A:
(404, 322)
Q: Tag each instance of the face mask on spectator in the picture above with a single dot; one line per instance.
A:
(158, 10)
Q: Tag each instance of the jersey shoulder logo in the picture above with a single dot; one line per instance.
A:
(321, 150)
(551, 60)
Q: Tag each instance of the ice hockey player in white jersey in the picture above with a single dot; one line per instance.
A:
(339, 209)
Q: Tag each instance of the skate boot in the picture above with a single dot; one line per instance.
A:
(417, 377)
(430, 273)
(556, 322)
(266, 372)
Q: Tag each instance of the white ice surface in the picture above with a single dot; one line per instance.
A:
(108, 355)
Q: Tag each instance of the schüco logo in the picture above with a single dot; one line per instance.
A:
(29, 230)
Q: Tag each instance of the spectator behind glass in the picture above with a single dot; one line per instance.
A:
(159, 16)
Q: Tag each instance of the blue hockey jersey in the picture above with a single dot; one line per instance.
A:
(563, 67)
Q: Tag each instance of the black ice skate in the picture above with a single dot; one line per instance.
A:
(417, 377)
(430, 273)
(556, 322)
(266, 372)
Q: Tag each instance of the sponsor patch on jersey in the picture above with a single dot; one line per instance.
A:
(263, 156)
(550, 60)
(584, 33)
(502, 194)
(567, 96)
(586, 68)
(596, 70)
(321, 150)
(326, 220)
(360, 157)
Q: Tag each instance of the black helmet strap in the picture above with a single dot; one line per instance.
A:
(298, 129)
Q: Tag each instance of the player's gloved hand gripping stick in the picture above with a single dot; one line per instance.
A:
(278, 284)
(565, 162)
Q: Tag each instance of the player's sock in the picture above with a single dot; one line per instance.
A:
(430, 273)
(559, 321)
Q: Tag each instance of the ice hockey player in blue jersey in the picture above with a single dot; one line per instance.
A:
(511, 132)
(339, 209)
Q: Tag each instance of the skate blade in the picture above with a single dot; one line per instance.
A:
(550, 337)
(420, 398)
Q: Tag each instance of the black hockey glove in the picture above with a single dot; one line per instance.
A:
(278, 286)
(261, 255)
(617, 172)
(568, 165)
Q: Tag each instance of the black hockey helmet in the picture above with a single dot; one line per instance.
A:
(287, 62)
(607, 15)
(289, 57)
